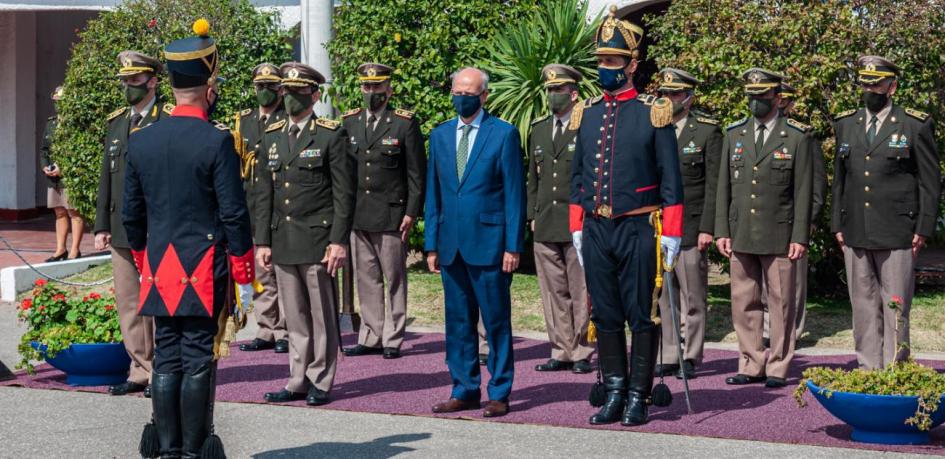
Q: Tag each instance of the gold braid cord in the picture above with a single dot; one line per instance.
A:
(231, 321)
(246, 157)
(656, 219)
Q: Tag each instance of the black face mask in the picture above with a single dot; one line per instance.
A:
(875, 101)
(374, 100)
(134, 94)
(761, 108)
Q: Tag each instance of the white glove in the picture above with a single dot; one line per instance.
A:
(670, 247)
(246, 294)
(577, 239)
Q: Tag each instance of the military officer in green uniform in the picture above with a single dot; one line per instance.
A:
(560, 276)
(251, 125)
(306, 206)
(391, 171)
(762, 224)
(139, 81)
(886, 191)
(699, 146)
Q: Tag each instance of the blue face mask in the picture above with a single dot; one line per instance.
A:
(466, 105)
(611, 79)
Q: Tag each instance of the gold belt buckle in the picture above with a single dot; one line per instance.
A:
(604, 210)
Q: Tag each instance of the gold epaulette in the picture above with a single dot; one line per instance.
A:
(116, 113)
(844, 114)
(246, 112)
(540, 119)
(326, 123)
(707, 121)
(576, 115)
(661, 112)
(798, 125)
(590, 102)
(736, 124)
(275, 126)
(921, 116)
(352, 112)
(646, 99)
(405, 114)
(168, 108)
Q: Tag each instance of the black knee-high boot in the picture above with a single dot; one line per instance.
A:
(643, 347)
(194, 399)
(612, 356)
(166, 402)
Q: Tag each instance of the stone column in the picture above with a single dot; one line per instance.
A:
(316, 32)
(18, 128)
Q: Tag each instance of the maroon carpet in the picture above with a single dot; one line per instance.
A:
(412, 384)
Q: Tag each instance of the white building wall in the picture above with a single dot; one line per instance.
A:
(17, 110)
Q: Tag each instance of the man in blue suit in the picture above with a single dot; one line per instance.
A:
(475, 222)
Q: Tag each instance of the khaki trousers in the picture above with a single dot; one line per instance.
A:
(692, 280)
(564, 297)
(137, 331)
(307, 294)
(483, 344)
(266, 307)
(874, 277)
(749, 272)
(800, 298)
(379, 256)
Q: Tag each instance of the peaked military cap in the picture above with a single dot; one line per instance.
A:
(873, 69)
(372, 72)
(297, 74)
(193, 61)
(760, 81)
(618, 37)
(787, 91)
(559, 74)
(58, 93)
(133, 63)
(266, 73)
(675, 80)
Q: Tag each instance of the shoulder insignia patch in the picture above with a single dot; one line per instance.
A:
(405, 114)
(116, 113)
(221, 126)
(593, 101)
(246, 112)
(168, 108)
(275, 126)
(798, 125)
(352, 112)
(921, 116)
(736, 124)
(541, 118)
(326, 123)
(707, 121)
(844, 114)
(646, 99)
(576, 115)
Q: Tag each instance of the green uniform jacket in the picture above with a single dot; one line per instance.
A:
(306, 196)
(391, 168)
(549, 179)
(764, 199)
(251, 129)
(111, 184)
(699, 148)
(44, 150)
(888, 191)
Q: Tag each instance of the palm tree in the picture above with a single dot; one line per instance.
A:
(558, 32)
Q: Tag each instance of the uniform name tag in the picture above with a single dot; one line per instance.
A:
(691, 149)
(843, 148)
(571, 147)
(782, 154)
(390, 141)
(897, 141)
(113, 148)
(316, 153)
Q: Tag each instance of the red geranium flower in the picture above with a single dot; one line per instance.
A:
(897, 299)
(152, 23)
(40, 282)
(26, 304)
(59, 297)
(40, 308)
(94, 296)
(109, 307)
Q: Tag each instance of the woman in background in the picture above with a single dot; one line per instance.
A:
(56, 198)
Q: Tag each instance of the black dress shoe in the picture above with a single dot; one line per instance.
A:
(282, 346)
(582, 366)
(126, 388)
(689, 368)
(666, 369)
(740, 379)
(361, 350)
(483, 359)
(257, 345)
(147, 391)
(316, 397)
(391, 353)
(283, 396)
(553, 365)
(55, 258)
(775, 383)
(76, 257)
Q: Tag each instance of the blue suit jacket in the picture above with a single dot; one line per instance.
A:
(481, 215)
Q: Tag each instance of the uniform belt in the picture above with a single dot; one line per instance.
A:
(605, 211)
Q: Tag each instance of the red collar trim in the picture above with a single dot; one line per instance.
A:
(191, 111)
(623, 96)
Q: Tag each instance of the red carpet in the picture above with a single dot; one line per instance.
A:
(412, 384)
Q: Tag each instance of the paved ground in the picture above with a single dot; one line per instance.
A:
(35, 239)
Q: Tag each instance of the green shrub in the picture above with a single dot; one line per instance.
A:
(244, 36)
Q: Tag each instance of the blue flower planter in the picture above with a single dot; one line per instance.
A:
(878, 418)
(91, 364)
